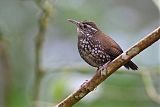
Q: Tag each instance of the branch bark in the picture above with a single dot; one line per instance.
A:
(110, 68)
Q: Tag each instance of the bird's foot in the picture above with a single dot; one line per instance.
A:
(102, 69)
(84, 83)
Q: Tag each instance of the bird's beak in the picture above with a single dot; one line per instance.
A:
(74, 22)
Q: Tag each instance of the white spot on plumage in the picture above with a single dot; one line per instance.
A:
(101, 55)
(93, 50)
(99, 51)
(81, 40)
(84, 41)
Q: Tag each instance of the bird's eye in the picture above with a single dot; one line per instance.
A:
(85, 26)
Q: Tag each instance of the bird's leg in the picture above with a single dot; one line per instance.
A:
(101, 69)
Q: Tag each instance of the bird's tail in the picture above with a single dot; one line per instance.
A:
(131, 65)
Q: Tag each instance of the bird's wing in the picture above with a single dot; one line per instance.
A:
(110, 46)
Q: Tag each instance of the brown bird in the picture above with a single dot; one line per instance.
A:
(95, 47)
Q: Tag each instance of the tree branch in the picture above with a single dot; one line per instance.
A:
(110, 68)
(47, 10)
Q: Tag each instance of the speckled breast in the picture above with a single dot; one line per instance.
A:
(92, 51)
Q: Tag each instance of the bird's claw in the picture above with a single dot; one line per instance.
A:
(102, 69)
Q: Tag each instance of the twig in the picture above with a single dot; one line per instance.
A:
(151, 91)
(6, 70)
(110, 68)
(43, 24)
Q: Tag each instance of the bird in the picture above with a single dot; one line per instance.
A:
(95, 47)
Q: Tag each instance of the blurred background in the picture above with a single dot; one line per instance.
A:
(39, 60)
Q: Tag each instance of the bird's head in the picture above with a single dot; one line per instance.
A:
(85, 27)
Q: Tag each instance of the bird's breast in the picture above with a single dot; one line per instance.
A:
(92, 52)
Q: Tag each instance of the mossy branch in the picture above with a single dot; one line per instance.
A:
(110, 69)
